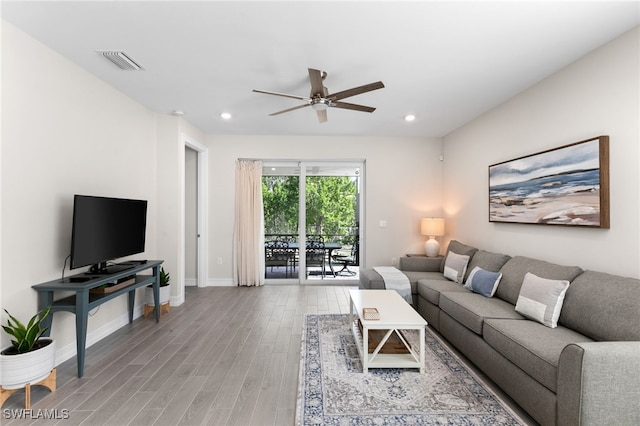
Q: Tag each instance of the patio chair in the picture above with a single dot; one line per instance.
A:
(347, 259)
(278, 254)
(315, 253)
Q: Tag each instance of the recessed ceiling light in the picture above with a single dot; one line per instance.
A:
(178, 113)
(225, 115)
(409, 117)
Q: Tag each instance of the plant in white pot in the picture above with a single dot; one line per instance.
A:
(30, 359)
(165, 294)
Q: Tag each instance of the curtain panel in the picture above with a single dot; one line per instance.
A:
(248, 232)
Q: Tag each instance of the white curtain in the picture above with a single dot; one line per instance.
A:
(248, 232)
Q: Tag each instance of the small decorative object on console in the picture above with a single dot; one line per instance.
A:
(370, 314)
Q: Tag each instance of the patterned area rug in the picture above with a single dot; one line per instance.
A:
(332, 390)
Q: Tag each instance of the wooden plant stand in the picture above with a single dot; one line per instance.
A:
(163, 307)
(49, 382)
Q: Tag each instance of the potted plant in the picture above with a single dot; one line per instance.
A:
(30, 358)
(165, 293)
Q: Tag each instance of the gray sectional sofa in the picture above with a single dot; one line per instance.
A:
(586, 371)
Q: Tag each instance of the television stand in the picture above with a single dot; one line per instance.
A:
(84, 300)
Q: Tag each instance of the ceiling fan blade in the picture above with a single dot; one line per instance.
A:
(355, 91)
(289, 109)
(281, 94)
(346, 105)
(322, 115)
(315, 77)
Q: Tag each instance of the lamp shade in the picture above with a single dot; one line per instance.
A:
(432, 227)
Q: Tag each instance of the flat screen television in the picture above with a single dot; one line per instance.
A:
(105, 229)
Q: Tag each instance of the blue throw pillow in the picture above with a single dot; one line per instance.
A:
(483, 282)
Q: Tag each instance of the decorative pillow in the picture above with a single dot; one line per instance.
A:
(483, 282)
(458, 248)
(541, 299)
(455, 266)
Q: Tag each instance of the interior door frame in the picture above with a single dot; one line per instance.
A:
(202, 208)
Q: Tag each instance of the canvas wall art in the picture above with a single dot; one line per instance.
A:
(566, 186)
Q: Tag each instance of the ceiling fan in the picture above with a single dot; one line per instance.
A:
(320, 99)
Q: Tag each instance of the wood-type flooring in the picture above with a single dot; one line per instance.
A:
(227, 356)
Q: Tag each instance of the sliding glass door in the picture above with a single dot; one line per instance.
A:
(327, 248)
(280, 196)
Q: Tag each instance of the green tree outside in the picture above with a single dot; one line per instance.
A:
(280, 204)
(331, 206)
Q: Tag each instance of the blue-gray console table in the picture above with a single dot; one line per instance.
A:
(84, 300)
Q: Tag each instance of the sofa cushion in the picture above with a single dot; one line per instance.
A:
(603, 307)
(483, 282)
(455, 267)
(414, 276)
(541, 299)
(516, 268)
(458, 248)
(488, 261)
(471, 309)
(430, 288)
(531, 346)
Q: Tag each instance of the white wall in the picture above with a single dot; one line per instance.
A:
(170, 181)
(63, 132)
(403, 184)
(596, 95)
(67, 132)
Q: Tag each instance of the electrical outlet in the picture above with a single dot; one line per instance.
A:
(219, 261)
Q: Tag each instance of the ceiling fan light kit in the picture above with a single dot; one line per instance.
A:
(320, 99)
(320, 104)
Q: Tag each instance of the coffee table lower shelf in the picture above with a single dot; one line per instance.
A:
(379, 359)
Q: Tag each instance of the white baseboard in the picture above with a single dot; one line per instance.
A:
(211, 282)
(220, 282)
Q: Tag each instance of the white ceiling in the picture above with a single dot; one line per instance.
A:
(445, 62)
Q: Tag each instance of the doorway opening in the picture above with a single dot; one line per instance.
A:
(195, 214)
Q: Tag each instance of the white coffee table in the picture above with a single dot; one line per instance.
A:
(395, 315)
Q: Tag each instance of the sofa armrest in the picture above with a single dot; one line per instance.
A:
(420, 264)
(598, 384)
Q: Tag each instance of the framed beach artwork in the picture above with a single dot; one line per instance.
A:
(566, 186)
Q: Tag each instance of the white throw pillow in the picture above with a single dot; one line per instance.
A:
(483, 282)
(455, 266)
(541, 299)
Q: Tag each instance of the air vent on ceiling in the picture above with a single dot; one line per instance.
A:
(121, 60)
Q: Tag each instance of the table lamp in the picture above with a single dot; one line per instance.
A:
(432, 227)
